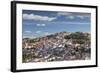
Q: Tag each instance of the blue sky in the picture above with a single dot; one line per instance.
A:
(41, 23)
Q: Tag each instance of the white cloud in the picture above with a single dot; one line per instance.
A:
(63, 13)
(38, 32)
(46, 33)
(71, 17)
(38, 24)
(38, 17)
(41, 24)
(27, 31)
(82, 16)
(67, 14)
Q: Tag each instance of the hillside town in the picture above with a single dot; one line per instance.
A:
(62, 46)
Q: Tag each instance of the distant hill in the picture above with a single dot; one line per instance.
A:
(62, 34)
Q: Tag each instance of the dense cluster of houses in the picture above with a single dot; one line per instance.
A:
(55, 48)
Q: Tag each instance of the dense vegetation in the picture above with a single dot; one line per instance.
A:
(78, 37)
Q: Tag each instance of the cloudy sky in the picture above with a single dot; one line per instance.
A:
(41, 23)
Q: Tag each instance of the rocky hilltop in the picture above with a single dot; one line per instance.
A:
(57, 47)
